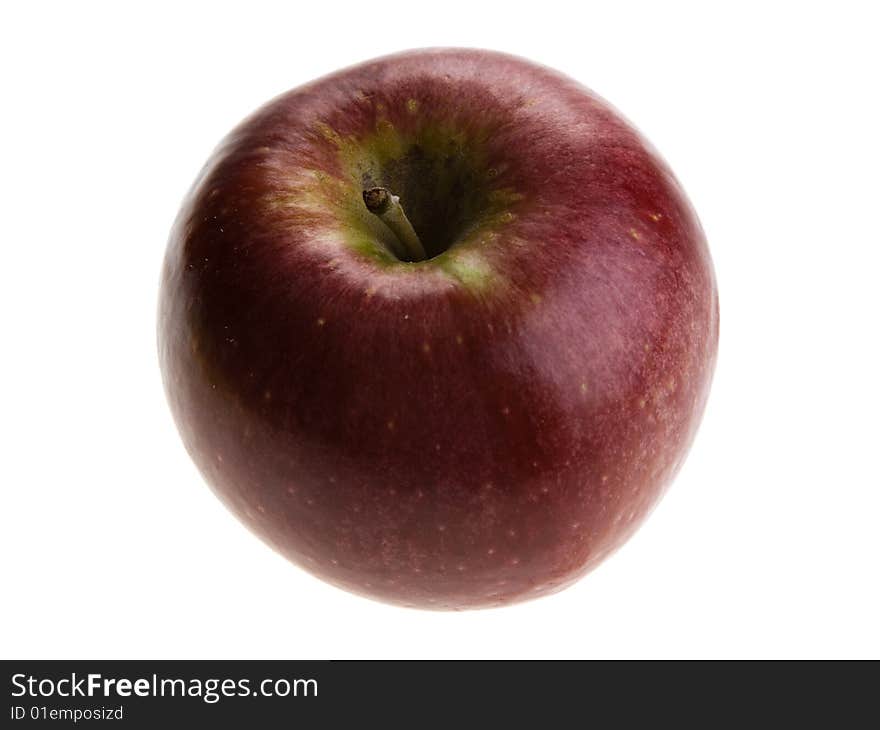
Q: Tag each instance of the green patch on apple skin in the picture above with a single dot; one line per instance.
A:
(454, 199)
(470, 268)
(370, 248)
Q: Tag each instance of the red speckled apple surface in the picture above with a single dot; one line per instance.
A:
(475, 428)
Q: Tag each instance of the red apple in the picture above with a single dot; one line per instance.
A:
(474, 421)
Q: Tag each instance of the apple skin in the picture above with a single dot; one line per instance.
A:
(468, 431)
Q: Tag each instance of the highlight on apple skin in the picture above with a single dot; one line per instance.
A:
(439, 328)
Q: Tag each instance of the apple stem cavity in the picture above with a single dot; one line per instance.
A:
(381, 203)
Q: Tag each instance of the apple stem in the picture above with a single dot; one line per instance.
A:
(381, 203)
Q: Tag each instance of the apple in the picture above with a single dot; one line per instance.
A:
(439, 328)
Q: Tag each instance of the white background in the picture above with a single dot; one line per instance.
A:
(766, 546)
